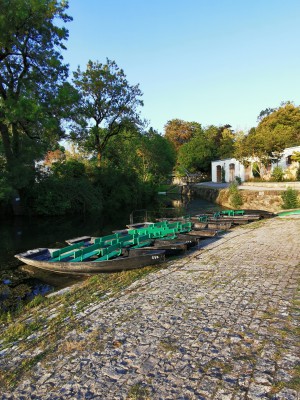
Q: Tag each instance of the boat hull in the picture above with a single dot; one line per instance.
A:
(139, 258)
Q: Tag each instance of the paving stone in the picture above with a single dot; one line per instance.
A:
(211, 325)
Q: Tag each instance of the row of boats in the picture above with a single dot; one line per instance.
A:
(138, 245)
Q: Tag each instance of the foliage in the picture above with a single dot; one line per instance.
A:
(150, 155)
(33, 95)
(279, 128)
(223, 173)
(204, 146)
(108, 103)
(235, 197)
(255, 170)
(296, 156)
(195, 155)
(121, 189)
(179, 132)
(221, 140)
(277, 174)
(298, 174)
(66, 190)
(238, 180)
(290, 199)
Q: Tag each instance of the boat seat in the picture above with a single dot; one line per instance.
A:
(107, 240)
(186, 227)
(126, 240)
(169, 233)
(65, 252)
(109, 252)
(87, 252)
(142, 241)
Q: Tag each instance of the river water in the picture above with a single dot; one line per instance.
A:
(19, 234)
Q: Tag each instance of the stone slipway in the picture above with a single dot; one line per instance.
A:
(220, 323)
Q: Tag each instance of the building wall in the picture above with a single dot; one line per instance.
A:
(240, 171)
(233, 168)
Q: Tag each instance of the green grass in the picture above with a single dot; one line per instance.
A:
(34, 318)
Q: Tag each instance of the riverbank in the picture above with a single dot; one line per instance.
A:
(220, 323)
(255, 196)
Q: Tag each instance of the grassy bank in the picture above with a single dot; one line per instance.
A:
(38, 329)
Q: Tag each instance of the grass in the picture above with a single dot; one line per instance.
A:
(138, 392)
(50, 319)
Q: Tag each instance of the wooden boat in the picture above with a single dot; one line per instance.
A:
(220, 225)
(127, 260)
(232, 220)
(204, 233)
(171, 247)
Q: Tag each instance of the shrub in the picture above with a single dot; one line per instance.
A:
(238, 180)
(290, 199)
(235, 197)
(223, 175)
(277, 174)
(298, 174)
(255, 170)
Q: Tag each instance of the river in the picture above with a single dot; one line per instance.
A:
(19, 234)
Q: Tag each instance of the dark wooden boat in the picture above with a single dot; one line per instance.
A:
(130, 259)
(232, 220)
(203, 233)
(219, 225)
(171, 247)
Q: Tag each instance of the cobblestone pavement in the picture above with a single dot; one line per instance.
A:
(219, 323)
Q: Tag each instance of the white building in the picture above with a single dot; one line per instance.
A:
(233, 169)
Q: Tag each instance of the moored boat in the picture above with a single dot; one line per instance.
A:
(171, 246)
(70, 263)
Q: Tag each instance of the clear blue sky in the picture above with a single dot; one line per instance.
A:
(209, 61)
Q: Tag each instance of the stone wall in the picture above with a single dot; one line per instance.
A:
(269, 200)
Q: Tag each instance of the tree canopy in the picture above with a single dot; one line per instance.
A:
(179, 132)
(279, 129)
(108, 104)
(33, 91)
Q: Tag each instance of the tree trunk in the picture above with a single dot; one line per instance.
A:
(7, 145)
(99, 156)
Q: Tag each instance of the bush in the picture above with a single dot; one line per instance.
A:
(298, 174)
(277, 174)
(290, 199)
(255, 170)
(235, 197)
(238, 180)
(223, 175)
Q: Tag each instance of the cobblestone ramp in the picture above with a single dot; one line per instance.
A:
(220, 323)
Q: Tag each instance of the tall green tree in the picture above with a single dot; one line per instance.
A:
(149, 154)
(32, 82)
(108, 104)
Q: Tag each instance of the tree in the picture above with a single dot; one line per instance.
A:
(221, 140)
(149, 154)
(280, 128)
(108, 104)
(196, 155)
(265, 113)
(32, 88)
(296, 156)
(179, 132)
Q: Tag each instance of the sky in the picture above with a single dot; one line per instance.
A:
(209, 61)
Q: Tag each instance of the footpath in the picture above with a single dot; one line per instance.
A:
(221, 323)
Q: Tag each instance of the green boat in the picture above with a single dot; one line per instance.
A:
(296, 211)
